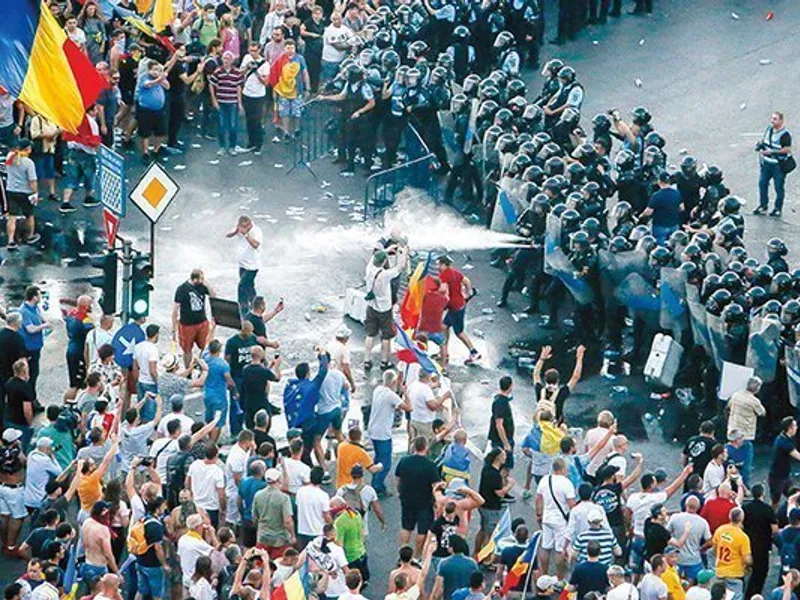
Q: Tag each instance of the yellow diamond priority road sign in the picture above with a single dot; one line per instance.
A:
(155, 190)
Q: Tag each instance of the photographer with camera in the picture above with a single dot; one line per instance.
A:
(379, 275)
(776, 160)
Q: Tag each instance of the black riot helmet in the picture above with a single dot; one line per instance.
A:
(652, 156)
(541, 202)
(732, 282)
(591, 226)
(412, 77)
(619, 244)
(638, 232)
(622, 211)
(772, 307)
(499, 77)
(470, 84)
(491, 135)
(504, 40)
(702, 239)
(601, 124)
(646, 244)
(678, 239)
(354, 73)
(417, 49)
(552, 185)
(730, 205)
(575, 199)
(506, 143)
(461, 33)
(692, 253)
(641, 116)
(776, 248)
(717, 302)
(459, 104)
(756, 296)
(549, 149)
(660, 256)
(542, 138)
(487, 110)
(383, 40)
(576, 173)
(585, 153)
(691, 272)
(559, 209)
(790, 312)
(738, 253)
(562, 181)
(517, 105)
(579, 240)
(655, 139)
(795, 274)
(782, 283)
(554, 166)
(734, 314)
(532, 115)
(534, 174)
(438, 76)
(519, 164)
(489, 92)
(525, 138)
(566, 74)
(497, 23)
(591, 190)
(713, 263)
(390, 60)
(570, 116)
(504, 118)
(552, 67)
(711, 283)
(625, 160)
(764, 275)
(516, 88)
(570, 220)
(445, 61)
(689, 165)
(713, 175)
(737, 267)
(726, 232)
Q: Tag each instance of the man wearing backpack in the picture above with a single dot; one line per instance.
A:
(362, 497)
(146, 542)
(788, 542)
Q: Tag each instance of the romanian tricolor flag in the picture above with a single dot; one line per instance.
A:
(42, 67)
(411, 353)
(522, 564)
(295, 587)
(411, 306)
(501, 530)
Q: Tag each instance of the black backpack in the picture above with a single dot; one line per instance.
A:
(177, 468)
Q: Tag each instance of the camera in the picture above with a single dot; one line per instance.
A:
(760, 146)
(146, 461)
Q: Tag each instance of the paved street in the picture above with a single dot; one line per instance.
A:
(702, 80)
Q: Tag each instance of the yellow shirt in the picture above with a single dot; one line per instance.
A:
(349, 455)
(731, 546)
(673, 582)
(90, 489)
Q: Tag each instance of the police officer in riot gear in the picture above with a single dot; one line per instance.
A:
(463, 53)
(464, 175)
(569, 95)
(689, 183)
(551, 85)
(776, 250)
(583, 258)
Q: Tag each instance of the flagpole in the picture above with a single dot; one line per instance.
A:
(528, 578)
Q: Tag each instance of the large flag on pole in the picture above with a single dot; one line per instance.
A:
(42, 67)
(411, 306)
(295, 587)
(501, 530)
(522, 564)
(411, 353)
(163, 15)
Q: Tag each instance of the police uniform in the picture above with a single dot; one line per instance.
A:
(356, 95)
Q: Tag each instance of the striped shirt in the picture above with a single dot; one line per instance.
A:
(604, 537)
(226, 84)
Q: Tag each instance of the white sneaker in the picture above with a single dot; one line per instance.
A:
(233, 152)
(221, 152)
(276, 139)
(240, 150)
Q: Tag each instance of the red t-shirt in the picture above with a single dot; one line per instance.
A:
(431, 315)
(453, 279)
(716, 512)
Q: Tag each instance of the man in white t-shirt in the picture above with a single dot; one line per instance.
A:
(555, 497)
(619, 588)
(145, 370)
(652, 587)
(176, 414)
(206, 480)
(235, 470)
(367, 498)
(297, 472)
(313, 508)
(254, 95)
(335, 46)
(385, 401)
(605, 419)
(424, 405)
(249, 239)
(192, 545)
(378, 277)
(339, 352)
(100, 335)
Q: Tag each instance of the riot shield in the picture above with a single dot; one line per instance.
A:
(552, 240)
(791, 355)
(762, 346)
(640, 297)
(617, 266)
(697, 318)
(510, 204)
(674, 313)
(563, 269)
(720, 346)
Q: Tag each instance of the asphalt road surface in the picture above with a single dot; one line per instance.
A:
(702, 77)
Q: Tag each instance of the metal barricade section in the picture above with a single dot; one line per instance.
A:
(317, 134)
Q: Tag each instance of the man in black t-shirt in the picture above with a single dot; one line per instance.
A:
(19, 401)
(443, 527)
(656, 535)
(255, 384)
(501, 426)
(150, 566)
(760, 525)
(697, 451)
(608, 496)
(259, 317)
(550, 393)
(12, 348)
(190, 325)
(416, 474)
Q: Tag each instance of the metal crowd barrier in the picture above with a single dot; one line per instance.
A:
(317, 134)
(415, 173)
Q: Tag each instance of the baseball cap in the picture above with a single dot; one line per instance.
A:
(734, 435)
(705, 576)
(545, 582)
(11, 435)
(379, 257)
(671, 549)
(44, 442)
(272, 475)
(607, 472)
(660, 474)
(594, 516)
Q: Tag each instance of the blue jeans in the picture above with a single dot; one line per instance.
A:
(770, 171)
(236, 413)
(735, 585)
(662, 234)
(151, 581)
(228, 124)
(747, 464)
(383, 455)
(148, 412)
(247, 289)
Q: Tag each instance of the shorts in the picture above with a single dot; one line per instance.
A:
(554, 537)
(214, 407)
(437, 337)
(80, 170)
(419, 518)
(455, 319)
(193, 335)
(76, 367)
(45, 166)
(690, 571)
(18, 204)
(489, 519)
(379, 322)
(777, 488)
(151, 581)
(290, 107)
(12, 502)
(420, 429)
(328, 419)
(362, 565)
(151, 122)
(275, 552)
(232, 514)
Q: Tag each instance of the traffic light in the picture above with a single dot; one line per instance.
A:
(141, 274)
(107, 282)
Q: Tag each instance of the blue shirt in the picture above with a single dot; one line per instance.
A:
(665, 204)
(301, 396)
(216, 387)
(31, 315)
(455, 572)
(150, 98)
(247, 490)
(76, 334)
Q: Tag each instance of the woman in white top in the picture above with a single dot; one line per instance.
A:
(203, 587)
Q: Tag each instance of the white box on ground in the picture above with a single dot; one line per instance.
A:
(663, 361)
(355, 306)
